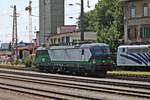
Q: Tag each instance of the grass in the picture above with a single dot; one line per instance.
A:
(11, 66)
(130, 72)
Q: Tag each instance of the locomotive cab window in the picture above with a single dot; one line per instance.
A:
(100, 50)
(40, 52)
(82, 53)
(137, 50)
(148, 48)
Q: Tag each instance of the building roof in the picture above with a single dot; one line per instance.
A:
(134, 46)
(93, 44)
(124, 0)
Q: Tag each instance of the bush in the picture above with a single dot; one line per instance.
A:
(29, 60)
(14, 62)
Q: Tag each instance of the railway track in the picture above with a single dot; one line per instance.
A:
(35, 83)
(143, 78)
(37, 90)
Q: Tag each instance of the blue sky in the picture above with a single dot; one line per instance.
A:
(23, 34)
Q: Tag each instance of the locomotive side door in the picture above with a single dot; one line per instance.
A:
(82, 55)
(125, 52)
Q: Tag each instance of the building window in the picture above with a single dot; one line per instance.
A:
(59, 41)
(52, 41)
(129, 34)
(145, 9)
(63, 40)
(132, 32)
(67, 39)
(133, 10)
(145, 32)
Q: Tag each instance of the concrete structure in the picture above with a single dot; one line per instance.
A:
(136, 21)
(66, 29)
(5, 46)
(71, 37)
(51, 15)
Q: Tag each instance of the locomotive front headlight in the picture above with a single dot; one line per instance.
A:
(103, 61)
(94, 61)
(43, 59)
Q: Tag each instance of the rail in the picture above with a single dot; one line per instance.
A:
(121, 87)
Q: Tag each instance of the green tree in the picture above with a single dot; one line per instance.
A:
(109, 35)
(89, 21)
(107, 20)
(110, 22)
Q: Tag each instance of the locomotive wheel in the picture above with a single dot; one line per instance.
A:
(99, 74)
(102, 74)
(40, 68)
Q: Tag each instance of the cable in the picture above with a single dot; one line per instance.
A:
(8, 13)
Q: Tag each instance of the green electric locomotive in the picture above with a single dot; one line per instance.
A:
(86, 59)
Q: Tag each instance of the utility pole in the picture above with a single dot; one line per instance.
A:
(29, 8)
(126, 22)
(44, 22)
(82, 21)
(14, 32)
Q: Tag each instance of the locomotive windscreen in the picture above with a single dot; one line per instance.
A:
(100, 50)
(41, 52)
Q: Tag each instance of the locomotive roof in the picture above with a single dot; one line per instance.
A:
(93, 44)
(133, 46)
(41, 48)
(61, 47)
(81, 46)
